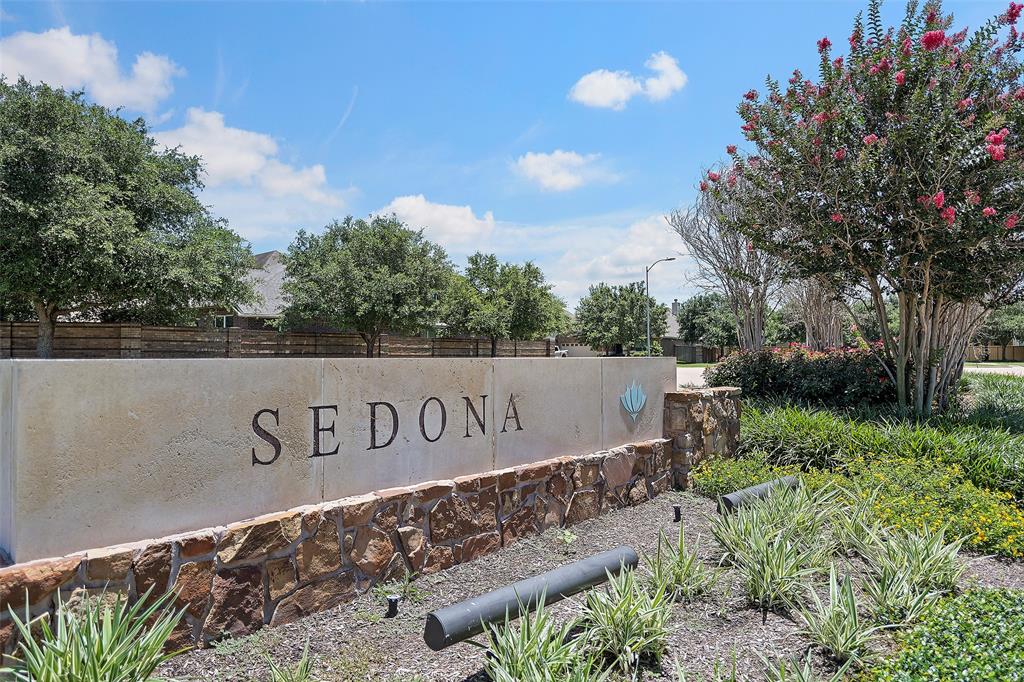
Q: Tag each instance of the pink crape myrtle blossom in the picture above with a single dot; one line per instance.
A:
(988, 211)
(933, 40)
(870, 139)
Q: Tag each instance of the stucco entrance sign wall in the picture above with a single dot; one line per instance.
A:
(101, 452)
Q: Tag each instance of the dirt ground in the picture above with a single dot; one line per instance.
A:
(354, 642)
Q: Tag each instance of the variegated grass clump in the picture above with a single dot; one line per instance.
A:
(95, 642)
(679, 569)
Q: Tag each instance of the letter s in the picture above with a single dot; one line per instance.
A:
(267, 436)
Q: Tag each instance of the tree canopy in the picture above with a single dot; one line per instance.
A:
(610, 316)
(371, 276)
(500, 300)
(707, 319)
(1004, 326)
(898, 173)
(97, 222)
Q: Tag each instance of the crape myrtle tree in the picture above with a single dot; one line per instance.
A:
(824, 317)
(501, 301)
(610, 316)
(371, 276)
(900, 172)
(727, 260)
(98, 223)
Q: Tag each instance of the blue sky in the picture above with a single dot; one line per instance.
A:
(557, 132)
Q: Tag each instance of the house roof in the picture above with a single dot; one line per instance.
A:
(267, 278)
(671, 325)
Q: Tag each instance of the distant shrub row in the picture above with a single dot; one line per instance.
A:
(840, 377)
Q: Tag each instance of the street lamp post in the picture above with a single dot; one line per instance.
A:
(647, 297)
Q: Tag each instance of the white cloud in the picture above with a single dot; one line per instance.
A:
(60, 58)
(444, 223)
(233, 156)
(613, 89)
(561, 171)
(617, 256)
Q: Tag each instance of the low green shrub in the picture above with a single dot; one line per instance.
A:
(95, 642)
(841, 377)
(811, 438)
(626, 623)
(678, 569)
(977, 636)
(994, 400)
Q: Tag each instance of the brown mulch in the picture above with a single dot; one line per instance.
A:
(354, 642)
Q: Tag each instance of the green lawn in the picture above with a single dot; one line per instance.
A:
(694, 364)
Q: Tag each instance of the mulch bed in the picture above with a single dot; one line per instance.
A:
(354, 642)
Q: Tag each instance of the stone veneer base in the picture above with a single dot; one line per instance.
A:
(273, 569)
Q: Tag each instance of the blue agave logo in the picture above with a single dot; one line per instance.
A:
(634, 399)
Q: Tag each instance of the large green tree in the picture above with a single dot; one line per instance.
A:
(97, 221)
(707, 319)
(371, 276)
(897, 172)
(501, 301)
(1004, 326)
(610, 316)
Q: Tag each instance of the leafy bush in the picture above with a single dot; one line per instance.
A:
(627, 623)
(678, 569)
(823, 439)
(841, 377)
(95, 642)
(836, 626)
(977, 636)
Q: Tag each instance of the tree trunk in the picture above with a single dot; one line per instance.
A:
(47, 314)
(494, 346)
(370, 340)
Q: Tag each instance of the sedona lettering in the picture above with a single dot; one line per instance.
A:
(384, 423)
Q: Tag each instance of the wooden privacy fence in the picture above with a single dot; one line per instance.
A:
(995, 353)
(90, 340)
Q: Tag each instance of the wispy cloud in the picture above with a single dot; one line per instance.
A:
(344, 118)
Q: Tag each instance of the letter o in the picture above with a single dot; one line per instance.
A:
(444, 419)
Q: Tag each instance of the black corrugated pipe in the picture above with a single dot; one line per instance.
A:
(728, 503)
(461, 621)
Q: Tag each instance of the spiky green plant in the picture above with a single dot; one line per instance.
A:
(931, 562)
(627, 623)
(782, 670)
(775, 569)
(534, 648)
(95, 642)
(301, 672)
(837, 626)
(679, 569)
